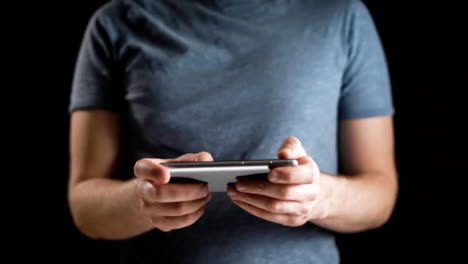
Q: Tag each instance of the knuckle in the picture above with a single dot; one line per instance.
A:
(199, 191)
(198, 213)
(159, 193)
(260, 186)
(274, 206)
(239, 185)
(293, 140)
(296, 221)
(146, 191)
(135, 168)
(145, 209)
(313, 195)
(289, 221)
(179, 208)
(287, 175)
(303, 211)
(145, 168)
(191, 218)
(184, 219)
(156, 221)
(163, 223)
(165, 229)
(141, 188)
(308, 175)
(204, 156)
(285, 192)
(192, 157)
(187, 157)
(138, 166)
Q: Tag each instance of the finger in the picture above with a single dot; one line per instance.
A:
(291, 149)
(167, 223)
(149, 169)
(193, 157)
(176, 208)
(271, 205)
(204, 156)
(283, 219)
(290, 192)
(173, 192)
(302, 174)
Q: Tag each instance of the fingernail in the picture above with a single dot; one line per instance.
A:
(285, 152)
(146, 167)
(241, 187)
(204, 189)
(232, 193)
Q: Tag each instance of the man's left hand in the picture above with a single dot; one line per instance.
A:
(290, 196)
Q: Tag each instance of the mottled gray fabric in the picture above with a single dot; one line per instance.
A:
(234, 78)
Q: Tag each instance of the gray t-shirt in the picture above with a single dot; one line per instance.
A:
(234, 78)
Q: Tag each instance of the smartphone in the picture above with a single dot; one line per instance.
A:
(272, 163)
(219, 173)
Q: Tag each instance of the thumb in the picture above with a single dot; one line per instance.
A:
(204, 156)
(193, 157)
(291, 149)
(146, 190)
(151, 170)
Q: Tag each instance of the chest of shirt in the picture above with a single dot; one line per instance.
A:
(232, 83)
(285, 70)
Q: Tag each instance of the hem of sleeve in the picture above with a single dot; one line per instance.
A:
(368, 113)
(73, 108)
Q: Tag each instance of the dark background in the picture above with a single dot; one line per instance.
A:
(419, 48)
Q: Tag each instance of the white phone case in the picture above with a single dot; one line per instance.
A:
(218, 177)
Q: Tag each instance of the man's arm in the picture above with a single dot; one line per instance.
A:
(364, 198)
(360, 200)
(107, 208)
(102, 207)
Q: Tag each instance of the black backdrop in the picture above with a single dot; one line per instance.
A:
(418, 47)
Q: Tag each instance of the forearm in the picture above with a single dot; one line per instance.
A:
(107, 209)
(357, 203)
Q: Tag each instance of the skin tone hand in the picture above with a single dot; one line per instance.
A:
(166, 205)
(290, 196)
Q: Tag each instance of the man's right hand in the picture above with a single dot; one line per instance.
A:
(170, 205)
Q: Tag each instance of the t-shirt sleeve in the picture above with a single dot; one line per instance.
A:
(366, 90)
(94, 80)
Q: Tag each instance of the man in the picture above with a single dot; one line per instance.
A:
(231, 79)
